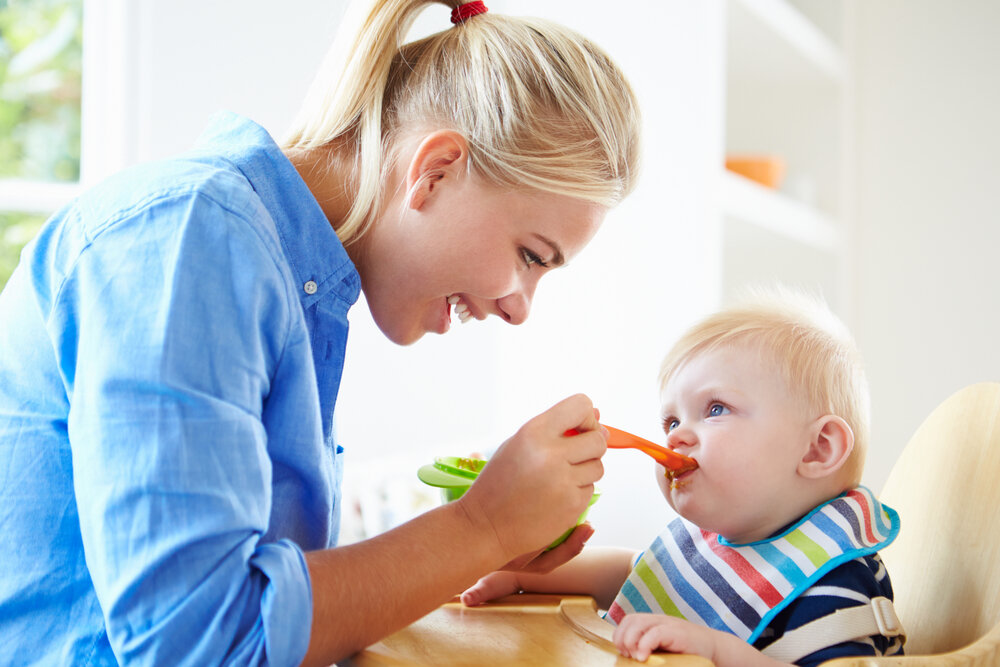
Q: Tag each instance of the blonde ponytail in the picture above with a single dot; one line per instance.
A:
(541, 107)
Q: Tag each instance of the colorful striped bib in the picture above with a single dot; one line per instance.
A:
(739, 588)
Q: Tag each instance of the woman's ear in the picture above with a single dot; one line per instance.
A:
(830, 444)
(439, 158)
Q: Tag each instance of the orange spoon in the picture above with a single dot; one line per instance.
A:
(668, 458)
(675, 463)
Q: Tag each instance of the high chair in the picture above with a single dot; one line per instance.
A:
(945, 564)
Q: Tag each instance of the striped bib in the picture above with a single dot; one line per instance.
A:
(738, 588)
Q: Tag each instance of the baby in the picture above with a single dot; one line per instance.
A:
(775, 534)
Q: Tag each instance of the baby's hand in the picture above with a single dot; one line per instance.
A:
(639, 635)
(492, 586)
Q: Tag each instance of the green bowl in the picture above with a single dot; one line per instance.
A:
(454, 475)
(583, 517)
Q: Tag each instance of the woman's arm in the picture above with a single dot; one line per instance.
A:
(365, 591)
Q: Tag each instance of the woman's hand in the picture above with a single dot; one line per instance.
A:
(543, 561)
(516, 576)
(538, 484)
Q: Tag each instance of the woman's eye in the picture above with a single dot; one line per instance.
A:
(717, 410)
(530, 258)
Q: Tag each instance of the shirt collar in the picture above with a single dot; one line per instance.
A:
(315, 253)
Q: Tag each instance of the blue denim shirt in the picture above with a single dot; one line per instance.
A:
(171, 347)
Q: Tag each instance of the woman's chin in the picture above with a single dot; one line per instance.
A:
(399, 335)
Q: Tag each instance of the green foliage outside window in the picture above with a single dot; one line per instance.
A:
(40, 66)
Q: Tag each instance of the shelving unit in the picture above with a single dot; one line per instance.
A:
(778, 213)
(775, 40)
(786, 92)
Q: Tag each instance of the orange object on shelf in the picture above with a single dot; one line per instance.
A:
(768, 170)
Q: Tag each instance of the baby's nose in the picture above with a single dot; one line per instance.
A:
(681, 437)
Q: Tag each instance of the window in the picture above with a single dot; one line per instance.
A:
(40, 110)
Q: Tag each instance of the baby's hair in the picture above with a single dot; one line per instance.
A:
(811, 348)
(541, 107)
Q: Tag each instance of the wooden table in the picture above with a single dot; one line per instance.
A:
(522, 630)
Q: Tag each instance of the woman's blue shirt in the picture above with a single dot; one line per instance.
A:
(171, 347)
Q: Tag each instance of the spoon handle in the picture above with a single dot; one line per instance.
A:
(668, 458)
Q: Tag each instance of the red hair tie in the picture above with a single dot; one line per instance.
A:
(463, 13)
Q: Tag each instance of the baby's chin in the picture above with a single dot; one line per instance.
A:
(702, 517)
(683, 506)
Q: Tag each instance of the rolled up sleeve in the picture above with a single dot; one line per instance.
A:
(167, 351)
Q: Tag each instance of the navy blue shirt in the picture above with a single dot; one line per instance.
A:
(851, 584)
(171, 347)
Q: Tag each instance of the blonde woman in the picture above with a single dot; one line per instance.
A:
(169, 480)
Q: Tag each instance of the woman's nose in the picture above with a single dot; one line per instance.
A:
(514, 307)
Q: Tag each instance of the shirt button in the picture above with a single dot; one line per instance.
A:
(310, 287)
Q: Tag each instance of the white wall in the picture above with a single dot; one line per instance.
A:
(166, 67)
(928, 174)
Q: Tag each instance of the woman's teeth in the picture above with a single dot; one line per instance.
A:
(461, 308)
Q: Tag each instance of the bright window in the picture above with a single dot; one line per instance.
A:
(40, 103)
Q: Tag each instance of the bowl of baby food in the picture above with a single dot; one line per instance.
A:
(452, 474)
(455, 474)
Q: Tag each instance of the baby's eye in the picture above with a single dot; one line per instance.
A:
(670, 423)
(717, 410)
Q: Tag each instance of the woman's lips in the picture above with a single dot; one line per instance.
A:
(444, 320)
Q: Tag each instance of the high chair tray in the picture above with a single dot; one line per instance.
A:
(522, 630)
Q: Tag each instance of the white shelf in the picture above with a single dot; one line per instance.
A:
(745, 200)
(771, 40)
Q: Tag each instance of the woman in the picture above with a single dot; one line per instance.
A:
(167, 464)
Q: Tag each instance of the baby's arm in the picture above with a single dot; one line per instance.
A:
(639, 635)
(597, 571)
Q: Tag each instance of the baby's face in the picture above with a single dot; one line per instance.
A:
(731, 411)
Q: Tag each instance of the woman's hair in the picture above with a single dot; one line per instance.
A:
(804, 341)
(541, 107)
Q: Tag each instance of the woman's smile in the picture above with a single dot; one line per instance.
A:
(463, 309)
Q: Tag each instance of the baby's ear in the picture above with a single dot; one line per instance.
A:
(831, 443)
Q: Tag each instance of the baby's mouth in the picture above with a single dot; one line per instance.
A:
(461, 308)
(680, 477)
